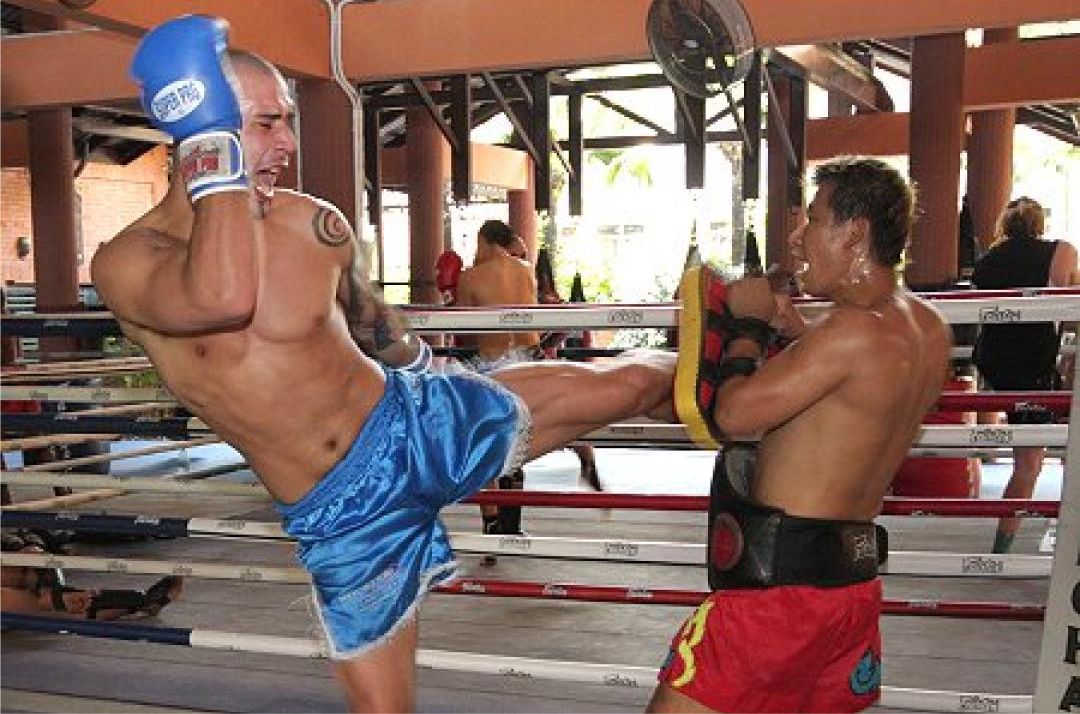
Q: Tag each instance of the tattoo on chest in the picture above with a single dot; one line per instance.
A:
(329, 227)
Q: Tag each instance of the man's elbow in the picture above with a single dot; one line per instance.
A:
(231, 306)
(234, 308)
(734, 416)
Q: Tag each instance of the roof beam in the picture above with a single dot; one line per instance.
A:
(836, 20)
(881, 134)
(82, 66)
(492, 35)
(836, 71)
(293, 34)
(1009, 74)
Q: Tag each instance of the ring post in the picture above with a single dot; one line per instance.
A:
(1057, 685)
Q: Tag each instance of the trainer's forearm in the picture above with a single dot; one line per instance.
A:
(222, 266)
(383, 333)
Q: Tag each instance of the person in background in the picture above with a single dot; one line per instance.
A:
(1021, 357)
(498, 278)
(547, 293)
(42, 590)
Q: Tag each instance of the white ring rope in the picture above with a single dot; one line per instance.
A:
(930, 436)
(134, 484)
(96, 395)
(60, 503)
(607, 675)
(622, 316)
(908, 563)
(211, 571)
(51, 466)
(617, 317)
(40, 442)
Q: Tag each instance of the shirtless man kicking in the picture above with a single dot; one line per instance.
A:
(251, 303)
(792, 624)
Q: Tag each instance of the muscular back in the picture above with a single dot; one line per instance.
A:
(500, 280)
(287, 386)
(856, 386)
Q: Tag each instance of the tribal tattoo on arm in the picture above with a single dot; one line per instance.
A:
(379, 330)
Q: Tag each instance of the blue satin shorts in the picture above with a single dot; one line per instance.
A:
(369, 531)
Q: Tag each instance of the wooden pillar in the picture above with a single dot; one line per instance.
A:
(327, 167)
(786, 205)
(937, 138)
(523, 213)
(53, 217)
(425, 166)
(990, 158)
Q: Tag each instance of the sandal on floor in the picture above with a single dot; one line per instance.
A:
(161, 594)
(136, 602)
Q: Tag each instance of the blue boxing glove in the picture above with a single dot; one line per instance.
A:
(185, 88)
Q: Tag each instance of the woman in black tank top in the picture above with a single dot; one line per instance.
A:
(1018, 357)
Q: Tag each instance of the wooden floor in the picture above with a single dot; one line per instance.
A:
(51, 673)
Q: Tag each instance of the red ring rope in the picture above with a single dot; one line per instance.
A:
(1057, 402)
(692, 598)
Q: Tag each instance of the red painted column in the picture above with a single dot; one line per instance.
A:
(990, 158)
(53, 207)
(785, 200)
(426, 163)
(937, 138)
(325, 156)
(523, 219)
(53, 217)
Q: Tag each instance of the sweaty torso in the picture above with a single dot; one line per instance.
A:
(290, 390)
(836, 458)
(500, 280)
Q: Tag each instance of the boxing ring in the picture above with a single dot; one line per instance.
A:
(1059, 615)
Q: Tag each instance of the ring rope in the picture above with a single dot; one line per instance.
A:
(893, 506)
(509, 318)
(65, 501)
(611, 675)
(1052, 435)
(88, 370)
(26, 373)
(40, 442)
(511, 588)
(51, 466)
(949, 401)
(134, 484)
(916, 563)
(908, 563)
(96, 395)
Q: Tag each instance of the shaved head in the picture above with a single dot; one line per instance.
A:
(248, 65)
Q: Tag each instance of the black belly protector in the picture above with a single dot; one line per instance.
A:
(756, 546)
